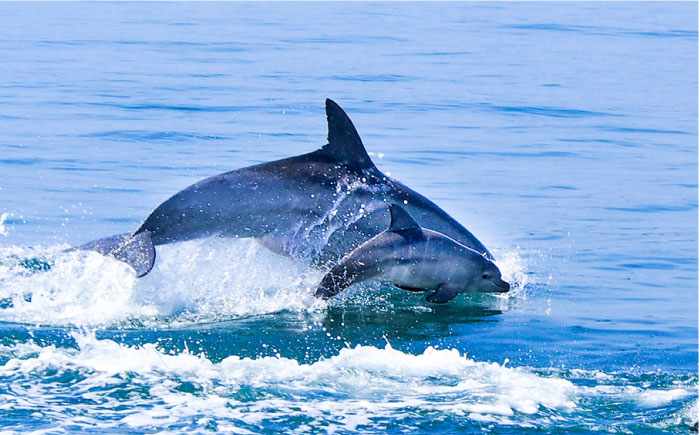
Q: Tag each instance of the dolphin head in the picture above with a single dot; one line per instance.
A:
(439, 261)
(482, 275)
(470, 272)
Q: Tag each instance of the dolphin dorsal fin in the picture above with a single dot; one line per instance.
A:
(344, 144)
(401, 220)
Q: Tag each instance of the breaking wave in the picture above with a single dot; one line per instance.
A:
(104, 384)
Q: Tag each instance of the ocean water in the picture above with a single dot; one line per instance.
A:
(563, 135)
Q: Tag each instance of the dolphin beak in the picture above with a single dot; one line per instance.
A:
(502, 286)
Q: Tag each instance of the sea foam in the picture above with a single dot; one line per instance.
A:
(204, 280)
(115, 386)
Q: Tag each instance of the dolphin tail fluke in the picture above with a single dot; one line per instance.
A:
(336, 280)
(324, 292)
(136, 250)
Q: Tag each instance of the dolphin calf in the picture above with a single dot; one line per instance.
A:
(415, 259)
(316, 206)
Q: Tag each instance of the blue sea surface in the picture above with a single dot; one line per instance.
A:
(563, 135)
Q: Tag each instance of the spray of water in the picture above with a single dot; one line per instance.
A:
(203, 280)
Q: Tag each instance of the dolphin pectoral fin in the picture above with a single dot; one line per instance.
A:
(444, 293)
(135, 250)
(410, 289)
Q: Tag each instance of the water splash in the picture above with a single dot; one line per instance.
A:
(196, 281)
(4, 231)
(203, 280)
(514, 270)
(138, 387)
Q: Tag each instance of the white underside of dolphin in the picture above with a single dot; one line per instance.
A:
(316, 207)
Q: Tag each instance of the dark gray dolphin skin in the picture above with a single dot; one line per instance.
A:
(316, 206)
(415, 259)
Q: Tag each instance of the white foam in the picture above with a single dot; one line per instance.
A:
(80, 288)
(343, 391)
(656, 398)
(218, 278)
(644, 397)
(4, 231)
(88, 387)
(202, 280)
(196, 281)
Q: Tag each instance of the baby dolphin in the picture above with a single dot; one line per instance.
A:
(415, 259)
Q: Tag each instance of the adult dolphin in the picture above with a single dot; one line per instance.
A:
(316, 206)
(415, 259)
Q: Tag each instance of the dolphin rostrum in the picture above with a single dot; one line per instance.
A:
(415, 259)
(316, 206)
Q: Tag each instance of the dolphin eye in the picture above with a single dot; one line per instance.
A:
(485, 276)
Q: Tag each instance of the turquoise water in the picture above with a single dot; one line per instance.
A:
(563, 135)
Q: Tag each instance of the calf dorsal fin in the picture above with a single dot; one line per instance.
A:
(401, 220)
(344, 144)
